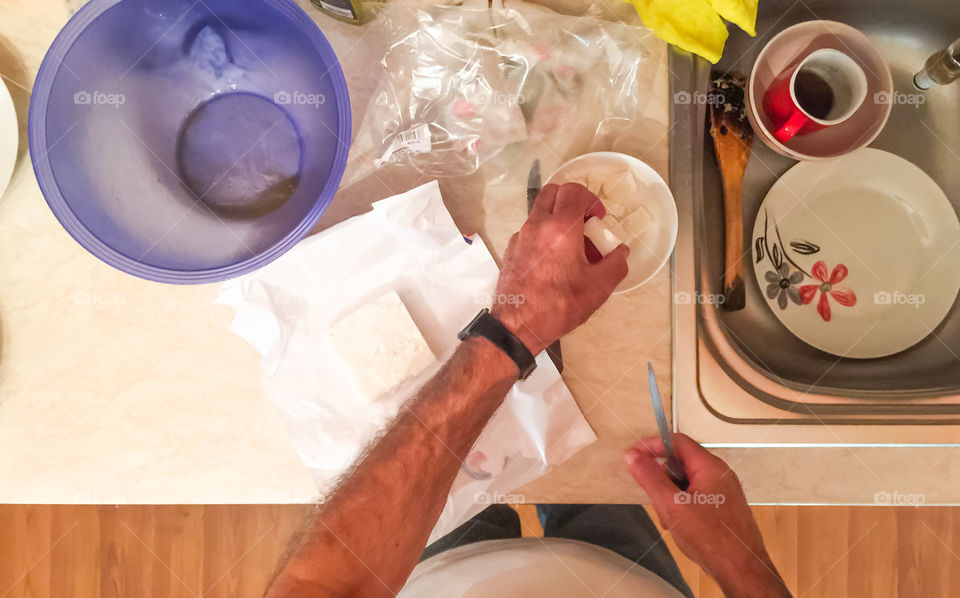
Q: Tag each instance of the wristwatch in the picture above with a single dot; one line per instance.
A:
(490, 328)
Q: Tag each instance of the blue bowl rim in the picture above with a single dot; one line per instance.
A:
(36, 134)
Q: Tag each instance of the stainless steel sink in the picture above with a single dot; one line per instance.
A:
(742, 371)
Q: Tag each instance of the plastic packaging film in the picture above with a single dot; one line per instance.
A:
(465, 86)
(408, 245)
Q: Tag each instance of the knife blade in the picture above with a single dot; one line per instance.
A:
(533, 184)
(673, 464)
(533, 189)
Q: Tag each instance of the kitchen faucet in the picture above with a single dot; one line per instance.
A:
(940, 68)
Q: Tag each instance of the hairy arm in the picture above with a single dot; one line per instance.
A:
(370, 533)
(711, 522)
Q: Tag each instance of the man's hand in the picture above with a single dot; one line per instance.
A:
(547, 287)
(711, 522)
(363, 546)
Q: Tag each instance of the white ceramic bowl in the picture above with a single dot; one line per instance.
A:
(651, 250)
(9, 137)
(789, 47)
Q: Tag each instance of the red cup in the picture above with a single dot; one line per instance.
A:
(824, 89)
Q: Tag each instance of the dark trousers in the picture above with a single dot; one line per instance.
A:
(624, 529)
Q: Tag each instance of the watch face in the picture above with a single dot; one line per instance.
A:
(468, 330)
(490, 328)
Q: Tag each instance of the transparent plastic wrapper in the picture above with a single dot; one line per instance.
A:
(469, 85)
(408, 244)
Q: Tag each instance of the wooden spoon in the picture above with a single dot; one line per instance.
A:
(732, 140)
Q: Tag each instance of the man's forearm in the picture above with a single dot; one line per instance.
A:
(750, 575)
(370, 533)
(760, 581)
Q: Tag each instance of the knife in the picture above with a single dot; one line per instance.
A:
(533, 189)
(674, 466)
(533, 184)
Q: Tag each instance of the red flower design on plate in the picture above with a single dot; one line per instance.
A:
(828, 286)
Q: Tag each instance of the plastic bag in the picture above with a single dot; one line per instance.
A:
(408, 244)
(463, 86)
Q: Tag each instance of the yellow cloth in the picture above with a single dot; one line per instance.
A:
(742, 13)
(695, 25)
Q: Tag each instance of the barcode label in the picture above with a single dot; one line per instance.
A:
(343, 12)
(414, 141)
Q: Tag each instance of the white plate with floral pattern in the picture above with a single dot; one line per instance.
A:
(858, 256)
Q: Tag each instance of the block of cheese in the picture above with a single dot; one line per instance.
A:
(613, 183)
(381, 346)
(636, 223)
(606, 234)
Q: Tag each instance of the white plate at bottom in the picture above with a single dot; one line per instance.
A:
(858, 256)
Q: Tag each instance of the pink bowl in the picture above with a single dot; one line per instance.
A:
(788, 48)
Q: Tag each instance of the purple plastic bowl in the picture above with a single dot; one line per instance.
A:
(189, 142)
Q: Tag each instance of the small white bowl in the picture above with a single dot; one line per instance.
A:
(790, 46)
(651, 250)
(9, 137)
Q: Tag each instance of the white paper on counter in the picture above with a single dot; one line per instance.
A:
(408, 243)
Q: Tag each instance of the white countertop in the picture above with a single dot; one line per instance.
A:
(114, 389)
(118, 390)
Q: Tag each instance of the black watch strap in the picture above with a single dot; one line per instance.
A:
(490, 328)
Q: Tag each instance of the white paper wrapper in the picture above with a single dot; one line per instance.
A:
(410, 244)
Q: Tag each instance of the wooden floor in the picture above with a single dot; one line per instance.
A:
(212, 551)
(856, 552)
